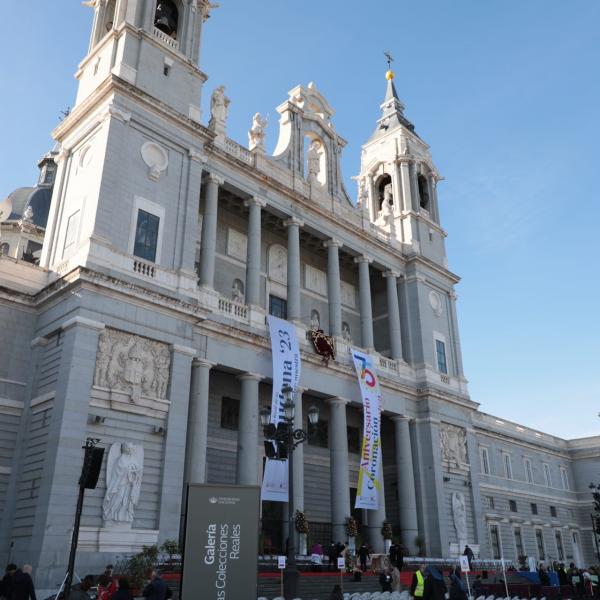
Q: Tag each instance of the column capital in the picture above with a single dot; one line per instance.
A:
(197, 155)
(250, 377)
(203, 362)
(332, 242)
(337, 400)
(363, 259)
(214, 178)
(391, 273)
(293, 221)
(255, 201)
(400, 419)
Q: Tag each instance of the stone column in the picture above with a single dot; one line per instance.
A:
(175, 443)
(406, 483)
(391, 278)
(247, 451)
(293, 268)
(433, 205)
(197, 437)
(208, 242)
(340, 483)
(334, 287)
(254, 249)
(366, 313)
(406, 189)
(414, 187)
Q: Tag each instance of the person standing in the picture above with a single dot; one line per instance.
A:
(6, 582)
(385, 579)
(395, 579)
(435, 588)
(363, 555)
(157, 589)
(470, 555)
(417, 586)
(122, 592)
(336, 593)
(22, 584)
(80, 591)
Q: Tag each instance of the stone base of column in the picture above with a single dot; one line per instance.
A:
(257, 316)
(187, 283)
(208, 297)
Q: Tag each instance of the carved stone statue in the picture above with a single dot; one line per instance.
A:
(28, 213)
(315, 320)
(219, 108)
(313, 158)
(346, 332)
(132, 364)
(256, 135)
(388, 199)
(124, 470)
(454, 444)
(237, 291)
(362, 194)
(459, 514)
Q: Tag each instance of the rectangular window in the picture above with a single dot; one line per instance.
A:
(488, 502)
(71, 233)
(512, 504)
(507, 466)
(146, 235)
(440, 349)
(495, 539)
(318, 435)
(553, 512)
(564, 478)
(278, 307)
(539, 540)
(519, 542)
(485, 460)
(230, 414)
(559, 546)
(528, 471)
(353, 439)
(534, 509)
(547, 477)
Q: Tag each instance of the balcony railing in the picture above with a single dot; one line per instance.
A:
(167, 40)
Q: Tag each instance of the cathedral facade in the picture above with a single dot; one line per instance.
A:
(144, 326)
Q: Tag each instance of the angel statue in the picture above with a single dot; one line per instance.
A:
(123, 482)
(256, 135)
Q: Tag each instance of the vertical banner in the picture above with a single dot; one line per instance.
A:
(286, 371)
(369, 485)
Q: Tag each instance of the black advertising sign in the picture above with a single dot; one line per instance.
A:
(221, 542)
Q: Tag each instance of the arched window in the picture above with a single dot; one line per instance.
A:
(384, 190)
(423, 192)
(4, 249)
(166, 17)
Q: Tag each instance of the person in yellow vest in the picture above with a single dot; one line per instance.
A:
(417, 586)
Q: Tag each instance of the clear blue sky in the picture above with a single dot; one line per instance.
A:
(506, 92)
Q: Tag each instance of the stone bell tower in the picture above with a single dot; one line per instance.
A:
(131, 149)
(397, 182)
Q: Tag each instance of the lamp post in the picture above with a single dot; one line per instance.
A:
(287, 439)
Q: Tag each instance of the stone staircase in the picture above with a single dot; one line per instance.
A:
(311, 587)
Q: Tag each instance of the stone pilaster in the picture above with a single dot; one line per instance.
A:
(254, 249)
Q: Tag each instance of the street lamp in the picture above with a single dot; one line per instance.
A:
(287, 439)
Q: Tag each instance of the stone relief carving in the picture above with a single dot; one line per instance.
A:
(132, 364)
(156, 159)
(124, 469)
(256, 135)
(453, 440)
(348, 294)
(278, 263)
(435, 301)
(316, 280)
(459, 514)
(237, 244)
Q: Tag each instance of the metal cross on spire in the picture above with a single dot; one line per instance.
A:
(389, 58)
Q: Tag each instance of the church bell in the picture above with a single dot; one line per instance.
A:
(166, 17)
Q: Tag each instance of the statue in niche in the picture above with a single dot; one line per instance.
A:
(388, 201)
(459, 515)
(313, 158)
(124, 470)
(219, 108)
(315, 320)
(346, 335)
(256, 135)
(237, 291)
(161, 376)
(454, 444)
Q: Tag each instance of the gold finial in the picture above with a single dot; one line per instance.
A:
(389, 75)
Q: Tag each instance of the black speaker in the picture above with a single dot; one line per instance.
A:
(92, 463)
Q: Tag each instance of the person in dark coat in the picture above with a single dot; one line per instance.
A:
(157, 589)
(458, 590)
(385, 579)
(332, 555)
(363, 555)
(22, 584)
(336, 593)
(469, 554)
(6, 582)
(435, 588)
(122, 592)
